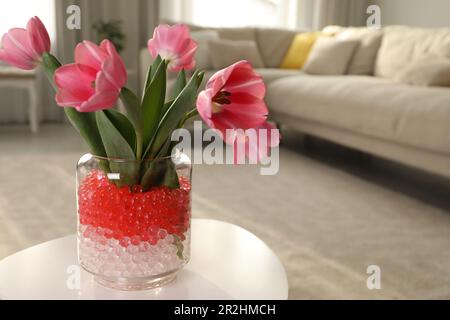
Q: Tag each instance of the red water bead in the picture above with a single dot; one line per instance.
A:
(132, 213)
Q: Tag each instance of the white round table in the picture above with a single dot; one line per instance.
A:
(227, 262)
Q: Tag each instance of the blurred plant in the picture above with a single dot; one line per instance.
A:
(111, 30)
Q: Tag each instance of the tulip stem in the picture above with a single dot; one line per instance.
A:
(138, 145)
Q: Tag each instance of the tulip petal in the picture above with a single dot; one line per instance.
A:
(240, 120)
(256, 144)
(90, 54)
(239, 92)
(220, 78)
(15, 43)
(105, 83)
(204, 106)
(174, 44)
(38, 36)
(76, 81)
(186, 58)
(16, 61)
(259, 149)
(244, 79)
(99, 101)
(65, 98)
(94, 82)
(23, 48)
(114, 66)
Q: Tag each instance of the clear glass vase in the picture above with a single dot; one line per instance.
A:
(133, 219)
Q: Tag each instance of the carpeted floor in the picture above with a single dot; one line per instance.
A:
(328, 214)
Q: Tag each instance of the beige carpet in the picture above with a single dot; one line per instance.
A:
(326, 215)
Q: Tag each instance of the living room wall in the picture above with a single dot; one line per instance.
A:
(430, 13)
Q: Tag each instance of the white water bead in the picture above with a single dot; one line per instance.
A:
(110, 258)
(113, 242)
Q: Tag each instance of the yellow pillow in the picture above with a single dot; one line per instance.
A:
(298, 51)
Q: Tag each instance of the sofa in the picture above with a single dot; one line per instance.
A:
(374, 111)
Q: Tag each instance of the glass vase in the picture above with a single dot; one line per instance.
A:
(133, 219)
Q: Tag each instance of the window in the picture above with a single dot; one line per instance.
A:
(16, 13)
(231, 13)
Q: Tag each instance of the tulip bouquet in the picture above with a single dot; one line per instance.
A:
(89, 88)
(134, 206)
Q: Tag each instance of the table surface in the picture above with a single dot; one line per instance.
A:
(227, 262)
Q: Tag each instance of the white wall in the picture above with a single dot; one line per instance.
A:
(420, 13)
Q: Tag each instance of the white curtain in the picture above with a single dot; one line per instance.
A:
(316, 14)
(177, 10)
(231, 13)
(303, 14)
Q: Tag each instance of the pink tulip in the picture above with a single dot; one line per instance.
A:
(94, 81)
(24, 48)
(256, 144)
(234, 99)
(173, 44)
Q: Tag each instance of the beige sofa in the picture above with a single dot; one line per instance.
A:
(373, 113)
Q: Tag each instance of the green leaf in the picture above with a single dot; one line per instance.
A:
(190, 114)
(148, 79)
(171, 177)
(166, 107)
(199, 79)
(134, 111)
(165, 150)
(160, 172)
(153, 103)
(180, 83)
(115, 144)
(155, 171)
(132, 106)
(117, 148)
(179, 244)
(154, 174)
(175, 113)
(123, 125)
(151, 72)
(86, 125)
(155, 66)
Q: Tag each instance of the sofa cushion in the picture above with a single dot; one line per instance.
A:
(299, 50)
(363, 60)
(236, 33)
(244, 33)
(226, 52)
(416, 116)
(429, 70)
(202, 56)
(273, 45)
(330, 56)
(401, 45)
(271, 74)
